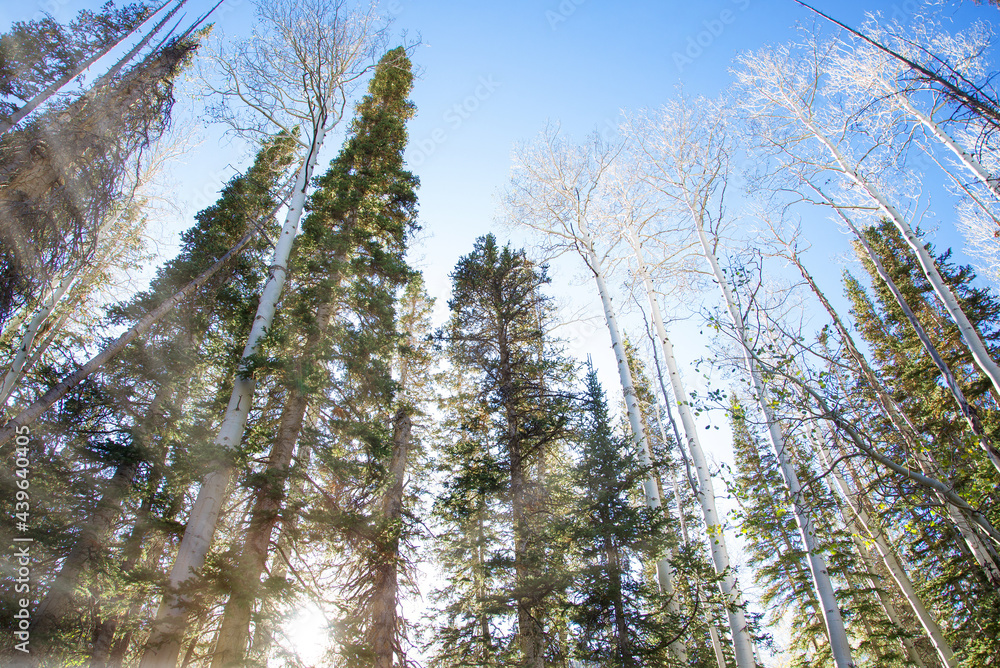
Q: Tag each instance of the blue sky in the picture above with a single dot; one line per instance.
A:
(494, 73)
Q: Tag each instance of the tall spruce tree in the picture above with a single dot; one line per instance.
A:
(497, 336)
(948, 576)
(388, 560)
(469, 509)
(618, 614)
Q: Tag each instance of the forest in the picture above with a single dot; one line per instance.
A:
(288, 448)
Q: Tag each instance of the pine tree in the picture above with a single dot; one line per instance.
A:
(951, 576)
(497, 336)
(389, 559)
(615, 606)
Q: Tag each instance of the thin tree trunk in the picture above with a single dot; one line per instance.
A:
(976, 100)
(909, 649)
(622, 634)
(965, 158)
(713, 634)
(171, 619)
(32, 104)
(263, 636)
(50, 335)
(650, 489)
(967, 411)
(674, 372)
(825, 594)
(385, 618)
(486, 639)
(43, 403)
(673, 604)
(529, 633)
(924, 616)
(189, 654)
(970, 335)
(18, 364)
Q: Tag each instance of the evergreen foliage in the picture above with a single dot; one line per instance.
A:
(616, 611)
(949, 575)
(332, 350)
(515, 403)
(63, 176)
(290, 432)
(34, 54)
(130, 422)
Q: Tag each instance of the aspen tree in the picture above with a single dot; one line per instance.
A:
(688, 161)
(559, 190)
(783, 88)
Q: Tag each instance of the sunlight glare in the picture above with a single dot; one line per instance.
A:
(308, 633)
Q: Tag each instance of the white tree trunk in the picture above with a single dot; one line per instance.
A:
(742, 643)
(674, 605)
(965, 158)
(42, 314)
(909, 649)
(969, 333)
(38, 100)
(825, 595)
(902, 580)
(171, 618)
(650, 490)
(949, 378)
(720, 656)
(982, 551)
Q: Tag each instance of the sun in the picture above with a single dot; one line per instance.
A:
(307, 634)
